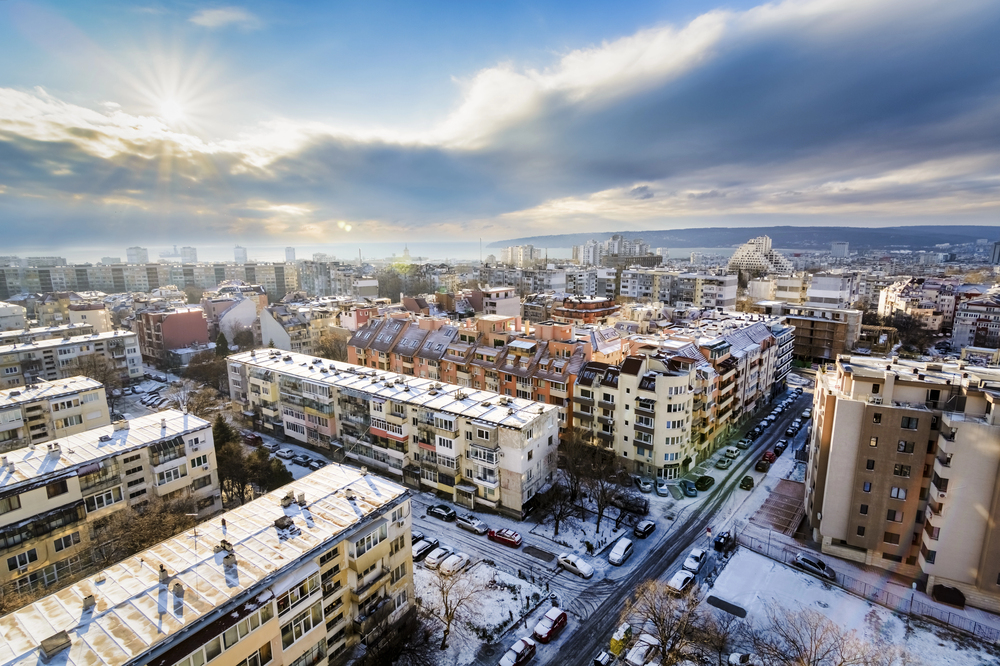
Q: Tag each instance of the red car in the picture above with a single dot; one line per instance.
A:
(505, 536)
(550, 625)
(769, 457)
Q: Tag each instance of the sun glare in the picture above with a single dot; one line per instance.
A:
(171, 111)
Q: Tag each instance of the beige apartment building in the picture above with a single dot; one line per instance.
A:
(58, 358)
(473, 447)
(50, 410)
(904, 471)
(298, 577)
(51, 494)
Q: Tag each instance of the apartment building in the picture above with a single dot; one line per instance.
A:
(334, 278)
(502, 301)
(161, 331)
(49, 410)
(58, 358)
(232, 307)
(931, 301)
(60, 308)
(904, 468)
(832, 290)
(521, 256)
(677, 289)
(137, 255)
(51, 495)
(296, 327)
(757, 255)
(821, 334)
(300, 576)
(594, 253)
(12, 317)
(977, 323)
(474, 447)
(45, 333)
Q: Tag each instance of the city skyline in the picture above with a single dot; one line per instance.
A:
(308, 125)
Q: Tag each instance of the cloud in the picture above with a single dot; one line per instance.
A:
(809, 111)
(225, 16)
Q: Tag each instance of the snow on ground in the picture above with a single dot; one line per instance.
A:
(757, 583)
(494, 611)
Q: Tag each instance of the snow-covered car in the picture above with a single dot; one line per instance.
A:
(662, 488)
(287, 454)
(695, 560)
(621, 552)
(724, 463)
(644, 528)
(505, 536)
(550, 625)
(680, 582)
(442, 512)
(519, 653)
(575, 564)
(643, 651)
(317, 464)
(454, 563)
(645, 485)
(437, 556)
(422, 547)
(469, 522)
(302, 460)
(271, 446)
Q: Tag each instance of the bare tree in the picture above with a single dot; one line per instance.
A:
(202, 401)
(99, 367)
(579, 458)
(673, 620)
(135, 528)
(601, 485)
(332, 347)
(450, 597)
(556, 506)
(716, 631)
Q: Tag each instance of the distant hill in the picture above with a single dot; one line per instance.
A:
(802, 238)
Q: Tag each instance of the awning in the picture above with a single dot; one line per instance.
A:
(466, 487)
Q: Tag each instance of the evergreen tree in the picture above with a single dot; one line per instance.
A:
(221, 345)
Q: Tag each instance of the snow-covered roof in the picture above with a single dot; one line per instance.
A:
(45, 390)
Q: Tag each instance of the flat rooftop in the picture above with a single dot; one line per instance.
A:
(135, 613)
(427, 393)
(61, 342)
(45, 390)
(42, 462)
(955, 372)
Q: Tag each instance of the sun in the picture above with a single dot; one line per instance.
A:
(171, 111)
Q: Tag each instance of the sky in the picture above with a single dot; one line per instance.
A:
(338, 122)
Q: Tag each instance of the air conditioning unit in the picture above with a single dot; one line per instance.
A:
(22, 570)
(876, 400)
(942, 495)
(205, 467)
(401, 522)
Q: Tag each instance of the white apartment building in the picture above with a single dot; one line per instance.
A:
(59, 358)
(296, 327)
(12, 317)
(757, 255)
(49, 410)
(45, 333)
(521, 256)
(677, 289)
(240, 254)
(501, 301)
(593, 252)
(137, 255)
(51, 494)
(904, 467)
(832, 290)
(298, 577)
(476, 447)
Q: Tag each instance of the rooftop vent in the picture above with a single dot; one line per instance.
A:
(223, 546)
(164, 576)
(54, 644)
(229, 560)
(104, 438)
(283, 523)
(287, 500)
(89, 602)
(301, 499)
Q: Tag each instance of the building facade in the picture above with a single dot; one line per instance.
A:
(161, 331)
(59, 358)
(49, 410)
(474, 447)
(12, 317)
(677, 289)
(299, 577)
(757, 255)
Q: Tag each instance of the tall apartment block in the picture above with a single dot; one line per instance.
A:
(58, 358)
(51, 494)
(904, 471)
(473, 446)
(50, 410)
(298, 577)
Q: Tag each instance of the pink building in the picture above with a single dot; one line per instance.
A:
(165, 330)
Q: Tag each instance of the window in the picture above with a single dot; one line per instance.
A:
(894, 516)
(101, 500)
(171, 475)
(201, 482)
(868, 486)
(873, 441)
(297, 594)
(861, 530)
(530, 454)
(62, 543)
(443, 442)
(11, 503)
(901, 470)
(864, 509)
(897, 493)
(199, 461)
(57, 488)
(909, 423)
(877, 417)
(69, 421)
(870, 465)
(301, 624)
(21, 560)
(904, 447)
(889, 537)
(369, 541)
(875, 389)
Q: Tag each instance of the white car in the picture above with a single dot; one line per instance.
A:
(695, 560)
(437, 556)
(621, 552)
(680, 582)
(287, 454)
(454, 563)
(519, 653)
(575, 564)
(643, 651)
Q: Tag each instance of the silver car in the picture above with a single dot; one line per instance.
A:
(437, 556)
(469, 522)
(815, 566)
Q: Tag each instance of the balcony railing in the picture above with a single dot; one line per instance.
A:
(373, 581)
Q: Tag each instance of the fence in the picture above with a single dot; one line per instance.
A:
(782, 552)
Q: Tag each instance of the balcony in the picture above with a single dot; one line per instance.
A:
(374, 580)
(605, 405)
(589, 418)
(488, 481)
(645, 409)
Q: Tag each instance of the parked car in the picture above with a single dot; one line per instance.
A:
(662, 488)
(791, 431)
(442, 512)
(807, 414)
(423, 547)
(505, 536)
(415, 536)
(575, 564)
(252, 438)
(643, 652)
(550, 625)
(680, 582)
(317, 464)
(732, 452)
(704, 482)
(769, 456)
(780, 447)
(639, 505)
(271, 446)
(744, 659)
(621, 552)
(762, 466)
(603, 659)
(743, 444)
(147, 375)
(519, 653)
(455, 563)
(724, 542)
(645, 485)
(644, 528)
(687, 485)
(302, 460)
(724, 463)
(437, 556)
(695, 560)
(287, 454)
(746, 483)
(814, 565)
(469, 522)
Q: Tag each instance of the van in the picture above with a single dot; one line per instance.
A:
(732, 452)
